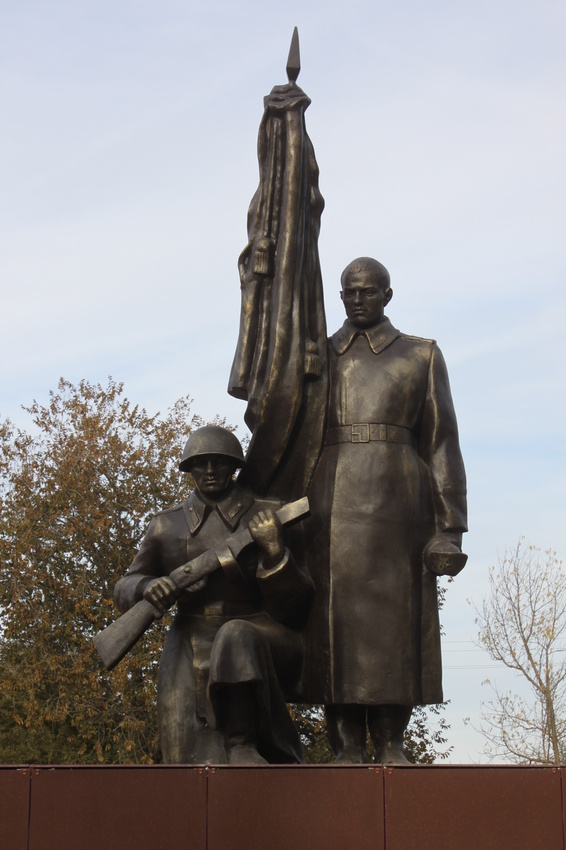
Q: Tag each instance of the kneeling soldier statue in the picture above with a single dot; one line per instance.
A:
(233, 652)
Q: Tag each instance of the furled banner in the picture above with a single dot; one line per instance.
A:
(280, 366)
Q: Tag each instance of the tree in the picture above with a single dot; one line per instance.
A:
(522, 625)
(76, 496)
(425, 738)
(311, 725)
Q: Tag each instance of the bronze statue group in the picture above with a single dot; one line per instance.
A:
(341, 610)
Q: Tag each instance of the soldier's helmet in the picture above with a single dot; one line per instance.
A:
(211, 440)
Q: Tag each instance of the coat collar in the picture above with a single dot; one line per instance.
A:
(231, 508)
(378, 337)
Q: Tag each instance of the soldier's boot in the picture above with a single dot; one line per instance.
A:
(387, 724)
(346, 729)
(240, 717)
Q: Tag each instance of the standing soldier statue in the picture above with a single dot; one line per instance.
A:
(389, 507)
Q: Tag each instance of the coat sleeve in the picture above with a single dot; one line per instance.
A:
(287, 591)
(439, 447)
(146, 566)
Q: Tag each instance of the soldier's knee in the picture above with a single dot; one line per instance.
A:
(239, 635)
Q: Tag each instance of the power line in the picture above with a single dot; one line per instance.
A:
(500, 667)
(464, 650)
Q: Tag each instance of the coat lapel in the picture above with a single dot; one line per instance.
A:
(230, 509)
(234, 506)
(194, 511)
(378, 337)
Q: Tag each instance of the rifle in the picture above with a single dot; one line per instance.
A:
(119, 637)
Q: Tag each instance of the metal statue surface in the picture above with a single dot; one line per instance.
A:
(233, 651)
(280, 364)
(388, 503)
(364, 424)
(367, 423)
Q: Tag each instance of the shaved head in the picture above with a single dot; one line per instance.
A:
(367, 264)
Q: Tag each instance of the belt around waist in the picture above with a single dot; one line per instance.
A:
(365, 432)
(217, 609)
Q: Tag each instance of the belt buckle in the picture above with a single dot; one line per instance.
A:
(360, 433)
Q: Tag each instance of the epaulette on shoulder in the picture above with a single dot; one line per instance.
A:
(170, 510)
(418, 339)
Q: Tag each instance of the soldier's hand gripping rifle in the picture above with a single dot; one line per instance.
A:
(119, 637)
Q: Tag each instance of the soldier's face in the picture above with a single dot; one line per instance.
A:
(364, 298)
(212, 474)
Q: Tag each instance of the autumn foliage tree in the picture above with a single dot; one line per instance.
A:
(76, 495)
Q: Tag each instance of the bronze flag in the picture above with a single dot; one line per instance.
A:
(280, 365)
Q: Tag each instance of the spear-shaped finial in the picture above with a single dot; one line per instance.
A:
(294, 60)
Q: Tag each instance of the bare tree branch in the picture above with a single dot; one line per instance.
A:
(522, 623)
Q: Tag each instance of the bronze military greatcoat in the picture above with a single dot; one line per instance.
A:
(390, 476)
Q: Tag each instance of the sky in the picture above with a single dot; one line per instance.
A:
(128, 153)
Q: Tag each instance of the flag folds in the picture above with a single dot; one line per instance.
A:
(280, 365)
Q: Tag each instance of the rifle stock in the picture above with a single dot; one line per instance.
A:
(116, 640)
(119, 637)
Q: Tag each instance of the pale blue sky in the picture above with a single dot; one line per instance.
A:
(128, 153)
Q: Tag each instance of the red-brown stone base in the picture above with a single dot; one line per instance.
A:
(281, 808)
